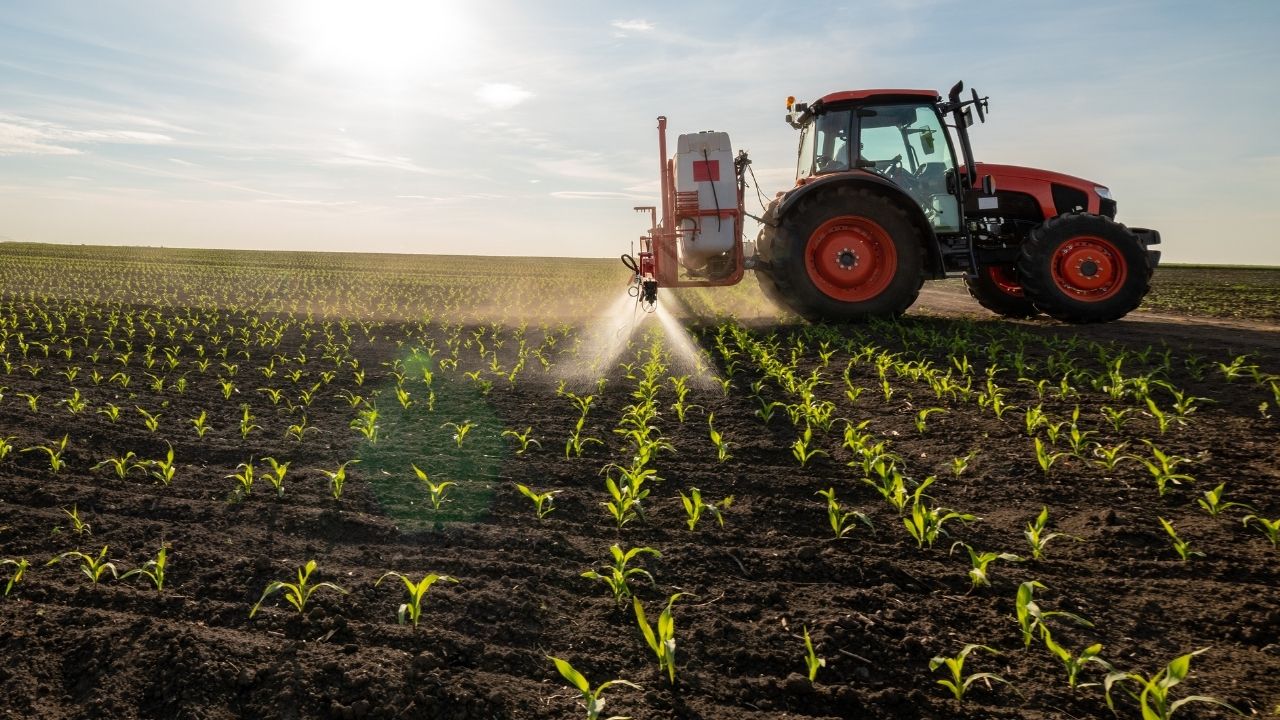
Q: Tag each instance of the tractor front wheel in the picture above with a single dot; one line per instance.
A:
(843, 255)
(997, 288)
(1083, 268)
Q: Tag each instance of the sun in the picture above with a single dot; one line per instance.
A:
(371, 40)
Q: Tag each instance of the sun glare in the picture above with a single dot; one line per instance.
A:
(372, 40)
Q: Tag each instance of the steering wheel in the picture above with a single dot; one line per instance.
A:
(899, 174)
(822, 163)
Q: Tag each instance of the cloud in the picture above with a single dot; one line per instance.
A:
(502, 96)
(21, 135)
(636, 25)
(596, 195)
(378, 161)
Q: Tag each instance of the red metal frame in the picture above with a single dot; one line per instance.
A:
(664, 235)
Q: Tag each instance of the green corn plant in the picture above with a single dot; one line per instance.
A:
(32, 400)
(78, 525)
(1117, 418)
(661, 637)
(840, 520)
(592, 699)
(1045, 457)
(801, 450)
(1037, 538)
(93, 567)
(926, 523)
(20, 566)
(961, 463)
(246, 422)
(681, 389)
(298, 431)
(228, 387)
(1110, 457)
(163, 470)
(411, 610)
(1053, 431)
(767, 410)
(979, 562)
(459, 430)
(959, 683)
(338, 478)
(624, 499)
(435, 491)
(352, 399)
(152, 570)
(1152, 693)
(1180, 546)
(403, 396)
(151, 420)
(922, 417)
(201, 423)
(6, 446)
(56, 462)
(121, 465)
(1074, 663)
(1031, 618)
(524, 439)
(276, 475)
(1163, 420)
(75, 404)
(299, 593)
(721, 445)
(890, 483)
(1269, 528)
(1164, 468)
(811, 660)
(616, 574)
(1213, 504)
(110, 412)
(366, 423)
(578, 442)
(543, 503)
(244, 477)
(694, 507)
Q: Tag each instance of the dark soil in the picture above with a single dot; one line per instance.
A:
(878, 608)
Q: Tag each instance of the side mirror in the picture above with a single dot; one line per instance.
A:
(977, 104)
(926, 142)
(988, 185)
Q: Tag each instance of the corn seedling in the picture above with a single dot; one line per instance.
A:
(121, 465)
(721, 445)
(6, 446)
(543, 503)
(163, 470)
(801, 447)
(78, 525)
(616, 574)
(1037, 538)
(276, 475)
(811, 659)
(298, 594)
(926, 523)
(366, 423)
(201, 423)
(922, 417)
(1074, 663)
(411, 610)
(979, 562)
(1152, 693)
(110, 412)
(436, 491)
(524, 439)
(460, 430)
(298, 431)
(75, 404)
(1269, 528)
(592, 699)
(1164, 468)
(338, 479)
(961, 463)
(1031, 618)
(244, 477)
(151, 420)
(33, 400)
(694, 507)
(19, 569)
(1213, 504)
(661, 637)
(1110, 457)
(841, 520)
(1045, 458)
(959, 683)
(1117, 418)
(624, 499)
(152, 570)
(93, 567)
(56, 462)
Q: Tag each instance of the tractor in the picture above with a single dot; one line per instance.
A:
(888, 194)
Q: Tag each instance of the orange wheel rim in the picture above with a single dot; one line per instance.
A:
(1089, 268)
(851, 258)
(1005, 280)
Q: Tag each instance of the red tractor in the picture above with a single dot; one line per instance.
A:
(888, 194)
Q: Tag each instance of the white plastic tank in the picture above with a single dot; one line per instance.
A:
(704, 165)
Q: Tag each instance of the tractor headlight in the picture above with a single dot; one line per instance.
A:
(1104, 193)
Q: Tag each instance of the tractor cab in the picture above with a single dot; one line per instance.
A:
(897, 135)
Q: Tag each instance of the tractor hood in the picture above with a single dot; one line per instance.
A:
(997, 172)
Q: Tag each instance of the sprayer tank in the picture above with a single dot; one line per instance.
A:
(705, 197)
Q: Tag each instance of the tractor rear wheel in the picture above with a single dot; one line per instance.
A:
(1083, 268)
(842, 255)
(997, 289)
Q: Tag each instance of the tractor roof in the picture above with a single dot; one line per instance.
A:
(865, 95)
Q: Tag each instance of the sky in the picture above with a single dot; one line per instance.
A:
(509, 127)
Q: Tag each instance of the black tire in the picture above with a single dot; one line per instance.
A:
(794, 256)
(1083, 268)
(991, 288)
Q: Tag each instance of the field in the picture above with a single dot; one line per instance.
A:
(895, 492)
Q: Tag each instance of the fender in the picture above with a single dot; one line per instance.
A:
(862, 178)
